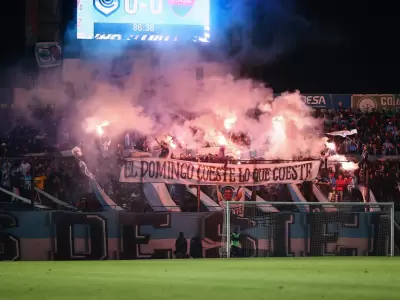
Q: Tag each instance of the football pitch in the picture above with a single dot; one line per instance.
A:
(338, 278)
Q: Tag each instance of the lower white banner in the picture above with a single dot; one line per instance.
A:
(173, 171)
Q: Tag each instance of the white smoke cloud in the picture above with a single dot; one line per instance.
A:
(150, 99)
(170, 99)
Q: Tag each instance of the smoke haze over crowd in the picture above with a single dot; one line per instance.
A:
(167, 92)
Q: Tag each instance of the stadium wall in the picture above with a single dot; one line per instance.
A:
(121, 235)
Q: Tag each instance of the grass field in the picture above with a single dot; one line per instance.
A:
(246, 279)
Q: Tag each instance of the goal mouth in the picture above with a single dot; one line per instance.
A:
(323, 229)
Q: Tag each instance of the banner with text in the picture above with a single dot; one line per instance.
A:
(171, 171)
(369, 102)
(326, 101)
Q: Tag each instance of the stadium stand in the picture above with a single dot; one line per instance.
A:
(33, 156)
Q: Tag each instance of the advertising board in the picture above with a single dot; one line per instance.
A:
(327, 101)
(369, 102)
(123, 235)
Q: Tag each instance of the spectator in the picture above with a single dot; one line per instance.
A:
(26, 173)
(164, 150)
(39, 180)
(5, 174)
(235, 243)
(196, 247)
(181, 246)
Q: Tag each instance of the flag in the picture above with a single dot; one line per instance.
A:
(233, 194)
(48, 54)
(343, 133)
(101, 196)
(127, 141)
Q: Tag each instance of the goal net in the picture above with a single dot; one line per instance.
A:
(308, 229)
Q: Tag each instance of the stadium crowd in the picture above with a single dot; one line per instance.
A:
(31, 157)
(379, 131)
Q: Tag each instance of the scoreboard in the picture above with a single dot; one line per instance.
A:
(144, 20)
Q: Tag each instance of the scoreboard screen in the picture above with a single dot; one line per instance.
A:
(144, 20)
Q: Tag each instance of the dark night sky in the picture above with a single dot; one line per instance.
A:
(363, 57)
(363, 60)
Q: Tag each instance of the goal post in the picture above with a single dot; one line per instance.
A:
(307, 229)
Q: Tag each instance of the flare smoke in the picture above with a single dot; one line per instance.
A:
(170, 101)
(168, 91)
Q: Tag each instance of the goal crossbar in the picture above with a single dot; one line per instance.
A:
(228, 205)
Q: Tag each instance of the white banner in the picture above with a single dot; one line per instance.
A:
(343, 133)
(172, 171)
(48, 54)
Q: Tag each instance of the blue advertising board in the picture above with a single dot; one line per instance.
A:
(327, 101)
(64, 236)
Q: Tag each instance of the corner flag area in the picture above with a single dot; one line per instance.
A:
(245, 279)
